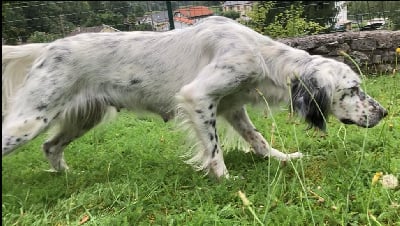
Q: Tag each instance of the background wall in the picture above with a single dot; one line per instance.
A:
(374, 51)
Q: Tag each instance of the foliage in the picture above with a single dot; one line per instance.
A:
(362, 11)
(288, 23)
(258, 16)
(319, 12)
(322, 12)
(12, 31)
(42, 37)
(105, 18)
(231, 14)
(23, 19)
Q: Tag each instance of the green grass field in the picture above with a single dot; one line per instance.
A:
(128, 172)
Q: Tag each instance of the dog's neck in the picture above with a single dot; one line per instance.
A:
(284, 63)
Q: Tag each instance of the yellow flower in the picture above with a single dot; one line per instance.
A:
(398, 50)
(376, 177)
(244, 199)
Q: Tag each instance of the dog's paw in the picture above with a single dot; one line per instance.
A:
(285, 157)
(295, 155)
(64, 168)
(52, 170)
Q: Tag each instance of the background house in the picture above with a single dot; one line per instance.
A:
(242, 7)
(188, 16)
(158, 20)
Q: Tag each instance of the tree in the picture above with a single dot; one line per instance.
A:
(231, 14)
(321, 12)
(14, 23)
(259, 16)
(288, 23)
(42, 37)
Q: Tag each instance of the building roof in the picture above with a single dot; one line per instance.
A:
(195, 11)
(184, 20)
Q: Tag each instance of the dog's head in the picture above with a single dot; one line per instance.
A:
(333, 88)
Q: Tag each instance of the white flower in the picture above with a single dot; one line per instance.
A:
(389, 181)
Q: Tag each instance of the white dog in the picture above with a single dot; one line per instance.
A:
(213, 68)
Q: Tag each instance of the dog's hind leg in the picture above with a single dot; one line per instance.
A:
(241, 122)
(73, 124)
(20, 127)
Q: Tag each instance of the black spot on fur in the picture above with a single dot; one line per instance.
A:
(135, 81)
(199, 111)
(45, 120)
(41, 107)
(362, 95)
(58, 59)
(214, 151)
(211, 136)
(18, 139)
(282, 52)
(311, 101)
(212, 122)
(211, 106)
(343, 96)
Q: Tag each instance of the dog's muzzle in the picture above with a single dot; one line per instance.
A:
(373, 121)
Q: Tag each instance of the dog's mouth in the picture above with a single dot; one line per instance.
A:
(347, 121)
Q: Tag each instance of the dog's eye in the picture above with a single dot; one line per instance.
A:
(355, 89)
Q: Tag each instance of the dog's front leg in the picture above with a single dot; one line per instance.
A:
(199, 100)
(241, 122)
(201, 115)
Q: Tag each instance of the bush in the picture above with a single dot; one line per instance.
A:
(231, 14)
(42, 37)
(287, 24)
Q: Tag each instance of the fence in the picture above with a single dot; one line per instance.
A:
(41, 21)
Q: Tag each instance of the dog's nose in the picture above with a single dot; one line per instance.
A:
(384, 113)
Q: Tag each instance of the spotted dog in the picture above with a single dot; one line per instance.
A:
(211, 69)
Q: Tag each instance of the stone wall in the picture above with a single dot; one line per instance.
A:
(374, 51)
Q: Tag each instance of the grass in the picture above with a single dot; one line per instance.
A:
(128, 172)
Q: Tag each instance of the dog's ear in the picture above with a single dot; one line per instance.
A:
(311, 101)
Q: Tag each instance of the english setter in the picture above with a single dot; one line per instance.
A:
(213, 68)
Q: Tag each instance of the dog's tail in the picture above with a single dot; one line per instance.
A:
(16, 62)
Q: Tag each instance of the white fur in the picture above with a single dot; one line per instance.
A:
(213, 68)
(16, 62)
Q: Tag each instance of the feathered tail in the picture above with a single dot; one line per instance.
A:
(16, 63)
